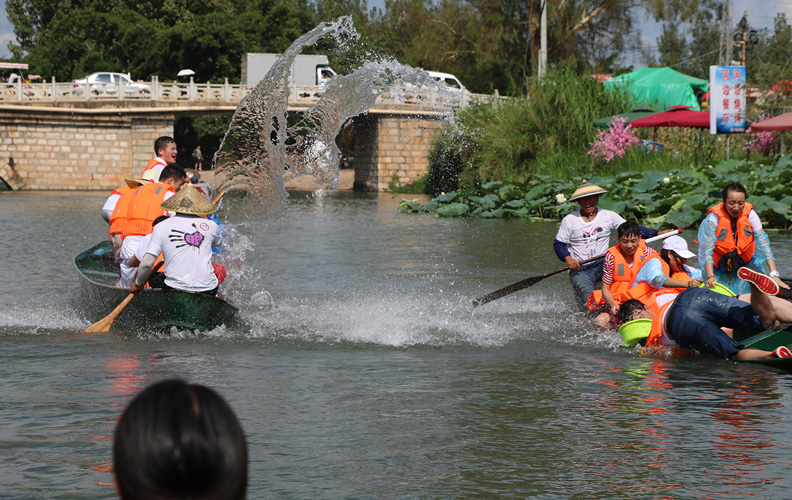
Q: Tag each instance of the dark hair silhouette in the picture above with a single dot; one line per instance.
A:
(628, 228)
(180, 441)
(734, 186)
(628, 309)
(162, 143)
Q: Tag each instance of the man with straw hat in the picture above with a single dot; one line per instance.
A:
(585, 234)
(185, 241)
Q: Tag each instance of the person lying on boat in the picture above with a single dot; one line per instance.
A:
(693, 318)
(666, 269)
(143, 206)
(185, 241)
(585, 234)
(732, 236)
(618, 272)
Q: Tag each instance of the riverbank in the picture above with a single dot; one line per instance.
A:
(346, 180)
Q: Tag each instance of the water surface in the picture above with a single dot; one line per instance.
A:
(360, 369)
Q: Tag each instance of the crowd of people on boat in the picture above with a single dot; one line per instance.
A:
(163, 227)
(696, 308)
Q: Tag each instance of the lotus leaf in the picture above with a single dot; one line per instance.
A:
(684, 217)
(445, 198)
(490, 201)
(522, 212)
(429, 207)
(493, 213)
(476, 212)
(453, 210)
(515, 204)
(491, 186)
(651, 180)
(727, 166)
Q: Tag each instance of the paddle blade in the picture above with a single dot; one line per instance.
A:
(104, 324)
(507, 290)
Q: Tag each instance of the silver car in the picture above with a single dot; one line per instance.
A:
(105, 84)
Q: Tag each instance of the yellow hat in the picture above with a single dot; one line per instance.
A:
(586, 189)
(189, 201)
(133, 183)
(150, 175)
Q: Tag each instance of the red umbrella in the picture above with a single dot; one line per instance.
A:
(675, 116)
(780, 122)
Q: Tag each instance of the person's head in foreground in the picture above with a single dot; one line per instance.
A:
(179, 441)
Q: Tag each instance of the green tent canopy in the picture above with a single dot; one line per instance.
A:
(631, 115)
(659, 87)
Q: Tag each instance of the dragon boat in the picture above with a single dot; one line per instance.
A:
(153, 308)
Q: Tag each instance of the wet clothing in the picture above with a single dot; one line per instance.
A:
(708, 239)
(695, 318)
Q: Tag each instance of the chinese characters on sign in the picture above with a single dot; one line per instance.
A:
(727, 99)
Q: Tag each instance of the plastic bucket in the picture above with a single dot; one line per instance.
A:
(634, 331)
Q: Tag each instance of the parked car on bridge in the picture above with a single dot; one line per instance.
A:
(451, 82)
(105, 84)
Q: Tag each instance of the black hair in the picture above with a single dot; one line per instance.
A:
(628, 228)
(180, 441)
(734, 186)
(172, 171)
(162, 143)
(628, 309)
(159, 219)
(665, 254)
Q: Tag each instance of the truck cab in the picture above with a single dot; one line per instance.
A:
(323, 74)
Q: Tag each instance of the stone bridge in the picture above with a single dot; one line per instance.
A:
(52, 137)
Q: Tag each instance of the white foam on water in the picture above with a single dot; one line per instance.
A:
(404, 319)
(40, 319)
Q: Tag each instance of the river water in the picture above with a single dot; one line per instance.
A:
(360, 370)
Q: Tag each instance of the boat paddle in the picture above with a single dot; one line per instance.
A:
(104, 324)
(516, 287)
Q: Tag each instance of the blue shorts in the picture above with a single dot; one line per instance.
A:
(695, 319)
(584, 280)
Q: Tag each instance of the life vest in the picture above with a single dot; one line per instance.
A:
(144, 207)
(118, 217)
(724, 242)
(155, 163)
(623, 275)
(643, 290)
(656, 331)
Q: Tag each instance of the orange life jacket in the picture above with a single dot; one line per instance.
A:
(643, 290)
(154, 162)
(656, 332)
(724, 243)
(144, 207)
(623, 275)
(118, 218)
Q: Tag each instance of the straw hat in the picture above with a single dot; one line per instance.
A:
(586, 189)
(133, 183)
(189, 201)
(150, 175)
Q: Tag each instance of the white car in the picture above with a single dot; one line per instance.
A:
(106, 84)
(450, 81)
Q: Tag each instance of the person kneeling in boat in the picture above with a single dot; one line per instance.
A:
(185, 241)
(666, 269)
(618, 272)
(693, 318)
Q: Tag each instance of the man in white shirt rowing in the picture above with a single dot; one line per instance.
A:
(185, 241)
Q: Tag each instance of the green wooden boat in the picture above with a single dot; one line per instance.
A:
(152, 308)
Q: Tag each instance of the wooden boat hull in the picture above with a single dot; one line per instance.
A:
(152, 308)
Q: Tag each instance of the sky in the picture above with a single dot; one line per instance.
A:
(760, 15)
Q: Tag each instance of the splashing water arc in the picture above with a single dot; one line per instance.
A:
(254, 152)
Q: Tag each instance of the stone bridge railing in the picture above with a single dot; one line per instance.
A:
(60, 94)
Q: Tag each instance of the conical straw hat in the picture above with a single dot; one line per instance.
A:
(133, 183)
(586, 189)
(188, 201)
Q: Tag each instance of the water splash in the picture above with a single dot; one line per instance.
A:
(260, 145)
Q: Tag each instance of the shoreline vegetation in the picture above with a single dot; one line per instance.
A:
(523, 157)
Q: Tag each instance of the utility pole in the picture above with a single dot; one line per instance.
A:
(543, 42)
(726, 49)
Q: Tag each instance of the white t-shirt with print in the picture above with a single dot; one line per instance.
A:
(585, 240)
(186, 245)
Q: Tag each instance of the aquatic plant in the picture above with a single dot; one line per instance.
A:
(657, 198)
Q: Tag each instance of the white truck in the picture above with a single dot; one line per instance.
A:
(306, 71)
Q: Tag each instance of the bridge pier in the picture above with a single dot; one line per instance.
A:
(389, 144)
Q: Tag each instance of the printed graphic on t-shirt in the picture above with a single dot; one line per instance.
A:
(188, 239)
(589, 234)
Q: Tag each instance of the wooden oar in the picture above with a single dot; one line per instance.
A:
(516, 287)
(218, 198)
(104, 324)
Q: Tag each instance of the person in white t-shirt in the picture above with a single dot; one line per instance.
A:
(585, 234)
(185, 241)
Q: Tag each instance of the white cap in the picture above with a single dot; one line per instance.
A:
(679, 246)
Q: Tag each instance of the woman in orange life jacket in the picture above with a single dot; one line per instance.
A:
(730, 237)
(694, 318)
(667, 269)
(618, 272)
